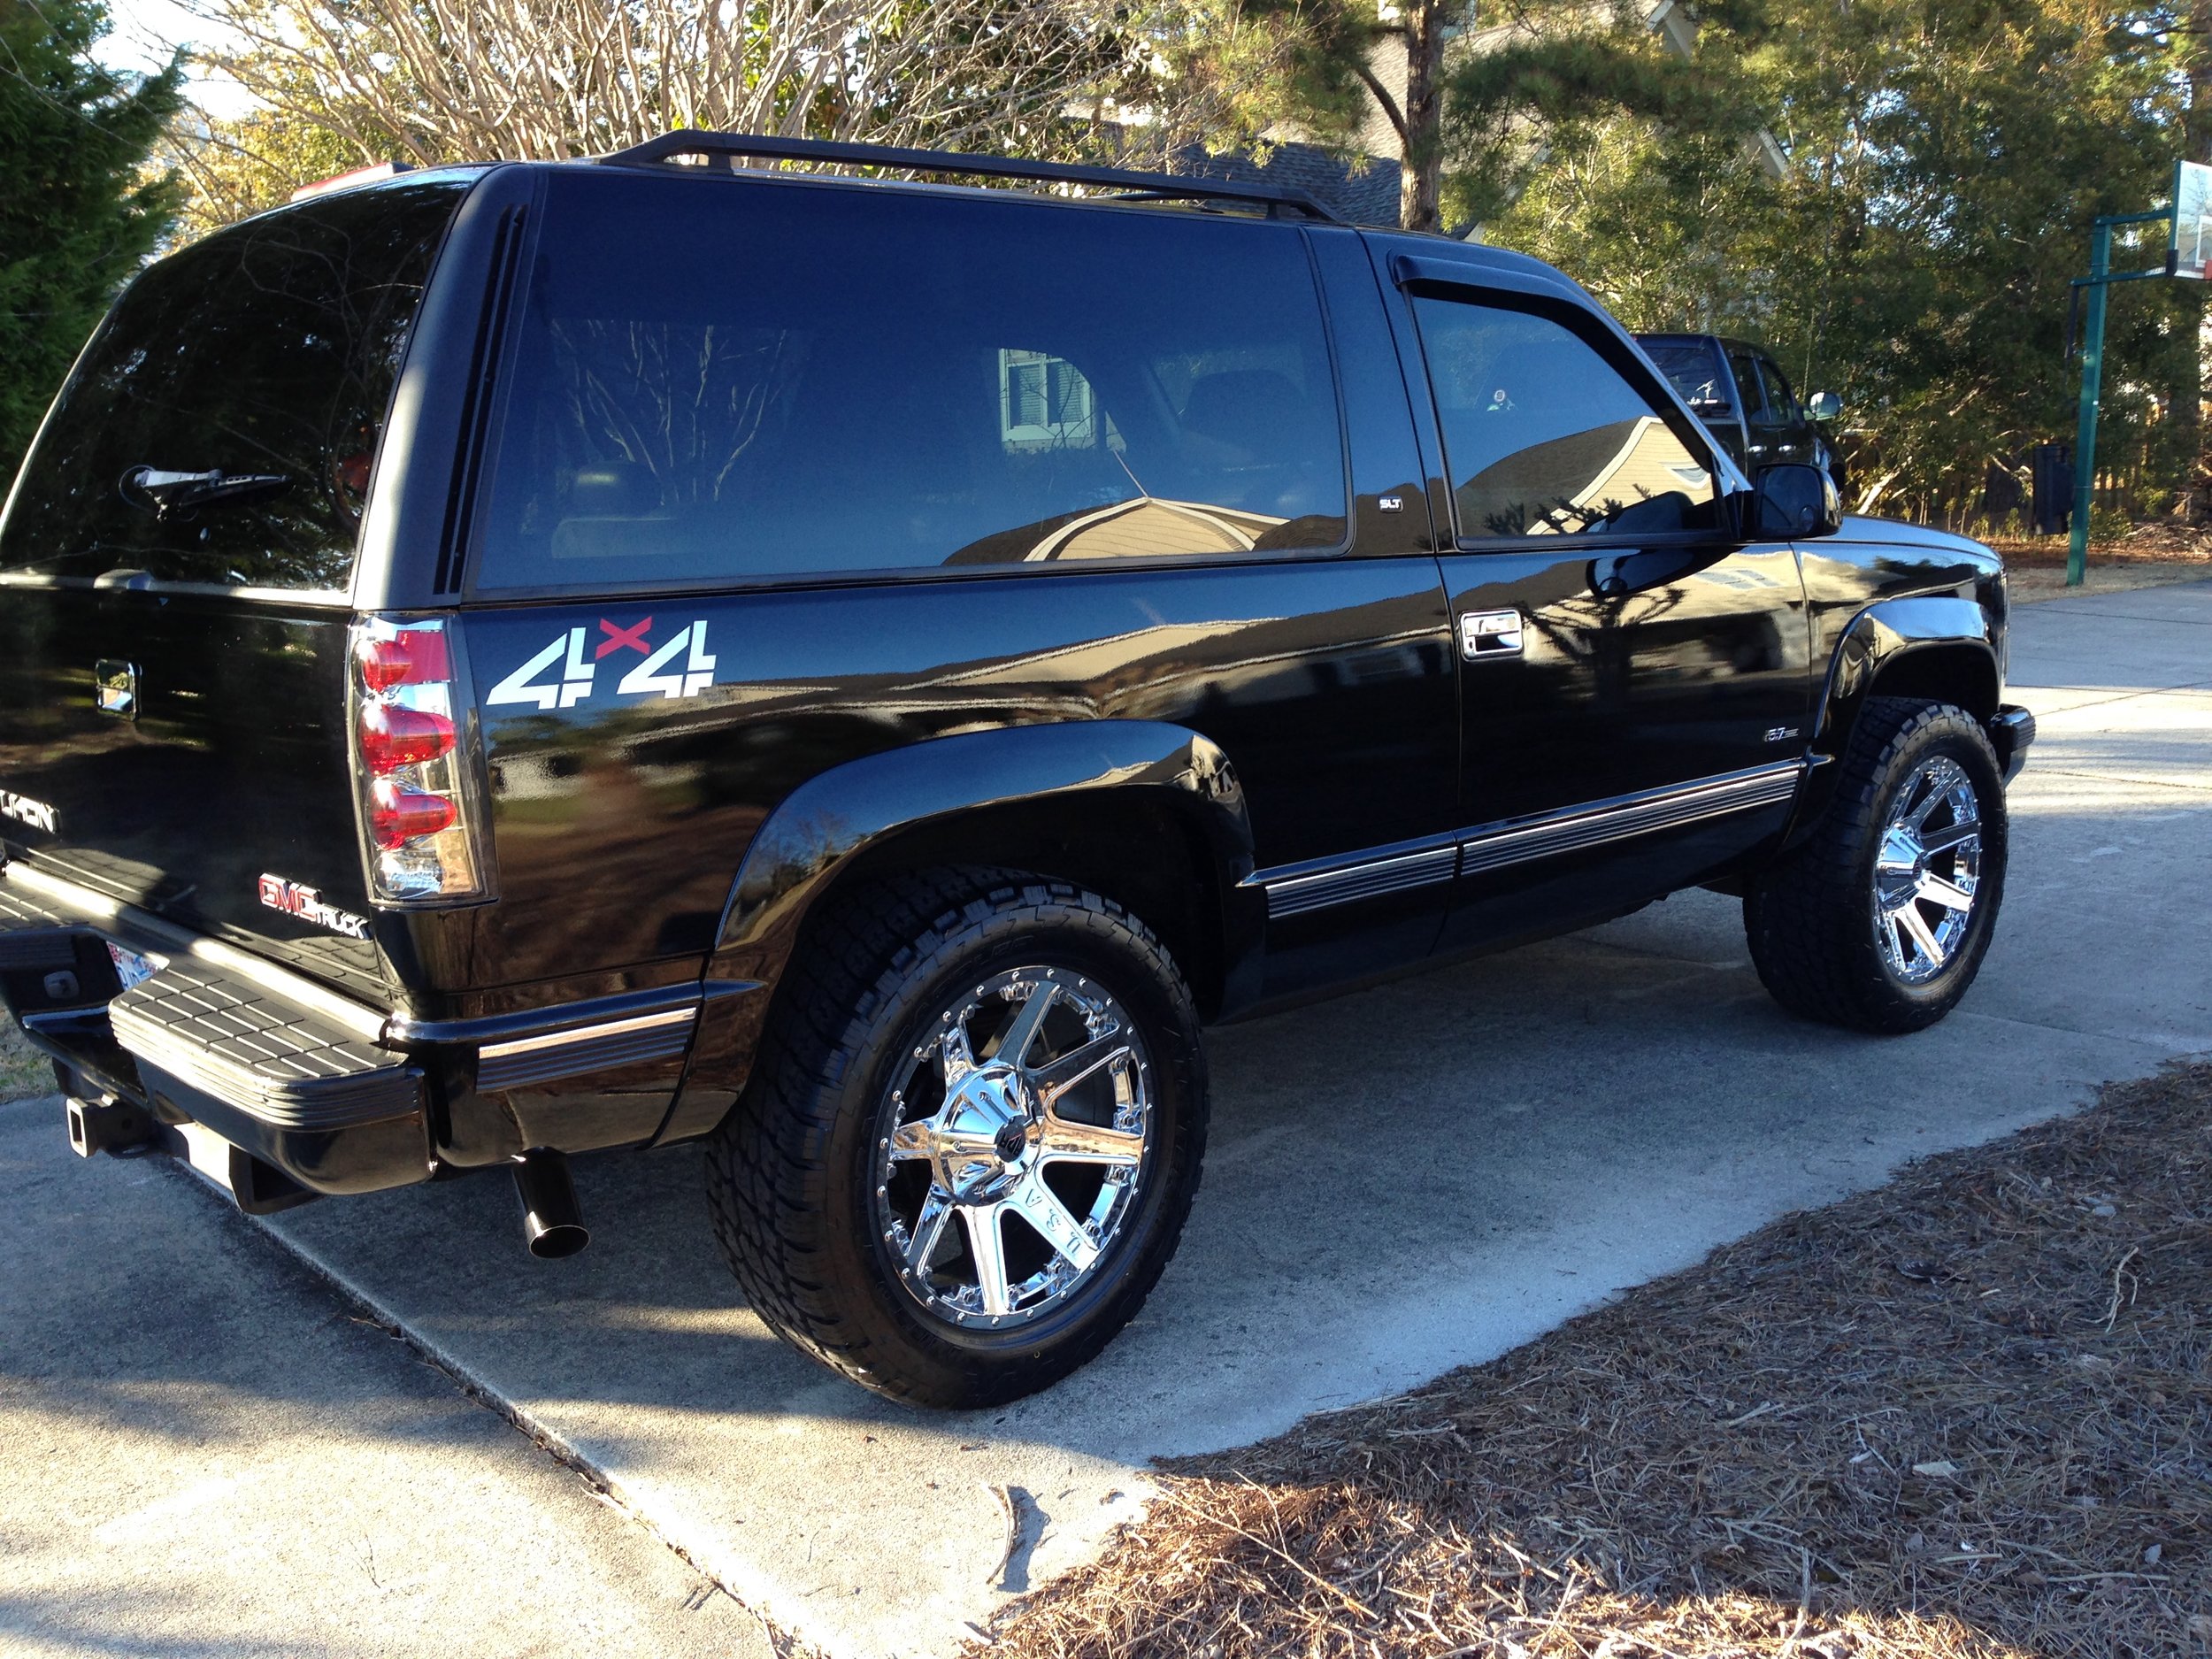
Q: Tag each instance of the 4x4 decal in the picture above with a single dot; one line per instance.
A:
(578, 672)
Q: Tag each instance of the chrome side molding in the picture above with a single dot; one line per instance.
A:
(1295, 889)
(1295, 895)
(1496, 847)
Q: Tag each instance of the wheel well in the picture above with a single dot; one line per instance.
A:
(1134, 847)
(1962, 674)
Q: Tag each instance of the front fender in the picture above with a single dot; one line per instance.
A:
(1879, 640)
(836, 817)
(1882, 634)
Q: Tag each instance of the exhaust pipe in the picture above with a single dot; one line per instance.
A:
(552, 1221)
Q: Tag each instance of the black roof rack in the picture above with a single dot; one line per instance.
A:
(1152, 186)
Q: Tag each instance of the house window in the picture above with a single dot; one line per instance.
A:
(1044, 403)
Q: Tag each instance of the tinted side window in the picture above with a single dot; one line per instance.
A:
(1781, 401)
(729, 379)
(1746, 368)
(269, 349)
(1542, 436)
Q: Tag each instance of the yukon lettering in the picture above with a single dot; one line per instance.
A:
(21, 808)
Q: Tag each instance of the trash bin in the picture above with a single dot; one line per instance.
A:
(2051, 494)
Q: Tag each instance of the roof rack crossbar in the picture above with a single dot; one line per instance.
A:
(1170, 187)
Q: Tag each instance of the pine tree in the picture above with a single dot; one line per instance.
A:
(79, 211)
(1468, 120)
(1945, 159)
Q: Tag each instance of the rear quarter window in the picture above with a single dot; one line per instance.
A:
(267, 350)
(721, 381)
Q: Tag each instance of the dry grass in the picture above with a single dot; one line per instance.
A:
(2042, 582)
(1967, 1413)
(2159, 541)
(23, 1070)
(2155, 555)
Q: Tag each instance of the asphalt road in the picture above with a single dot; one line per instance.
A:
(204, 1451)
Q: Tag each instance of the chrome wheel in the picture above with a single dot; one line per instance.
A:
(1927, 870)
(1011, 1148)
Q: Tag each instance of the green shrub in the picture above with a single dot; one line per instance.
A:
(2108, 525)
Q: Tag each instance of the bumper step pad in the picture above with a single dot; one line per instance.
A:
(243, 1045)
(296, 1081)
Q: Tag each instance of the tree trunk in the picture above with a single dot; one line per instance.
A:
(1420, 205)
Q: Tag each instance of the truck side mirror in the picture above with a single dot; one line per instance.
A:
(1791, 500)
(1824, 406)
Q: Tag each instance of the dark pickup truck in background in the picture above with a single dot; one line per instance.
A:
(527, 660)
(1743, 397)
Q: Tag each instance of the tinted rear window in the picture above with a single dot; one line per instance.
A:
(1693, 367)
(268, 352)
(722, 381)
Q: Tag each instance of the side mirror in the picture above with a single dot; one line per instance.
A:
(1791, 500)
(1824, 406)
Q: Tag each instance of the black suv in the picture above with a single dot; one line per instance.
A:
(1742, 395)
(528, 659)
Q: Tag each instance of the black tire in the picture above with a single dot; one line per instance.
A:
(1815, 919)
(792, 1175)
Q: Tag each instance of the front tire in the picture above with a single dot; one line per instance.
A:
(971, 1139)
(1879, 920)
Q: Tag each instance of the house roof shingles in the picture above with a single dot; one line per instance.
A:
(1367, 196)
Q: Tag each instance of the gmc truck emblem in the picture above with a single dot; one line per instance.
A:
(294, 899)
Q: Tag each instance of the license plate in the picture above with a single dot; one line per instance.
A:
(132, 968)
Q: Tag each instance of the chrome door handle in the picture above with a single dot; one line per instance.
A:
(1487, 633)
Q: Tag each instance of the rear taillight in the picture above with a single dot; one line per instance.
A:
(415, 767)
(392, 736)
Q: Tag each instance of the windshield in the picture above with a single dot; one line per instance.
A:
(220, 428)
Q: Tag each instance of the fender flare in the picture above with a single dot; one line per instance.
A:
(815, 834)
(1877, 637)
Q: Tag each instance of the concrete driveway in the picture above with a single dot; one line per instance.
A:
(1400, 1181)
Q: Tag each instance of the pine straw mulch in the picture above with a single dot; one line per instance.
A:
(1967, 1413)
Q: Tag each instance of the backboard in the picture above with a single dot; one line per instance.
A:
(2192, 244)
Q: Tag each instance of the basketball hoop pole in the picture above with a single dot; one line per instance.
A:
(2100, 277)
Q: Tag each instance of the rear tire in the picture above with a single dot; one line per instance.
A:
(935, 1185)
(1879, 920)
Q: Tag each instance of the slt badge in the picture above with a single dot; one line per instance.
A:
(577, 673)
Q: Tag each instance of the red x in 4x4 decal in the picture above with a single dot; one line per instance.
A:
(617, 638)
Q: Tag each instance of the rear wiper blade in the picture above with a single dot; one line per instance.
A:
(169, 494)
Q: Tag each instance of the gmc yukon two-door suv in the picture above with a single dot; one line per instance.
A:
(524, 660)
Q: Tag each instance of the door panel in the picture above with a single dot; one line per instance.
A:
(1633, 681)
(1641, 739)
(1690, 674)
